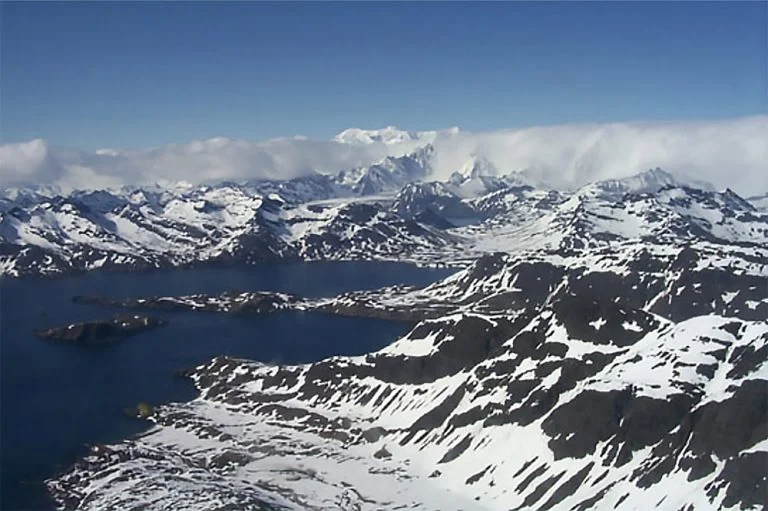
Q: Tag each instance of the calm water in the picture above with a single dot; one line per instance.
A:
(55, 398)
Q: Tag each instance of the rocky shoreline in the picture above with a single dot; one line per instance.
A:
(396, 303)
(259, 302)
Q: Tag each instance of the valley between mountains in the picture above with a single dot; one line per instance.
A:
(598, 348)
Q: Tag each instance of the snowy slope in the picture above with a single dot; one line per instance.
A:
(650, 181)
(524, 219)
(550, 386)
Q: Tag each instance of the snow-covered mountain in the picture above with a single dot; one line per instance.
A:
(479, 177)
(759, 201)
(301, 189)
(334, 217)
(478, 166)
(645, 182)
(416, 198)
(530, 219)
(42, 231)
(391, 135)
(604, 348)
(390, 174)
(624, 378)
(224, 224)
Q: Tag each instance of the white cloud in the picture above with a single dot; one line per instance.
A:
(28, 162)
(731, 153)
(210, 160)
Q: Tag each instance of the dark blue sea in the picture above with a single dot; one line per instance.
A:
(56, 398)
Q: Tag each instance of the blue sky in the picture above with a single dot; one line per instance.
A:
(139, 74)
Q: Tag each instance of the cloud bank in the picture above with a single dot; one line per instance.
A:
(729, 153)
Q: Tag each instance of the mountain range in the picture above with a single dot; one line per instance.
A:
(392, 209)
(598, 348)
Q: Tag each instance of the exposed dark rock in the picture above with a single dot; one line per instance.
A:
(438, 415)
(701, 292)
(382, 453)
(727, 427)
(746, 359)
(476, 477)
(601, 320)
(707, 370)
(593, 417)
(99, 332)
(747, 481)
(457, 450)
(433, 219)
(700, 466)
(590, 502)
(531, 477)
(229, 458)
(540, 490)
(471, 416)
(524, 467)
(568, 487)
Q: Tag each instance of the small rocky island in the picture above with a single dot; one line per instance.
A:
(99, 332)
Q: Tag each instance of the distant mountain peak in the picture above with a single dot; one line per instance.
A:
(476, 177)
(389, 174)
(478, 166)
(648, 181)
(390, 135)
(386, 135)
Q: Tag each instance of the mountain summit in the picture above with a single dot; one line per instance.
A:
(391, 136)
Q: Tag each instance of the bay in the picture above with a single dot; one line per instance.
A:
(55, 399)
